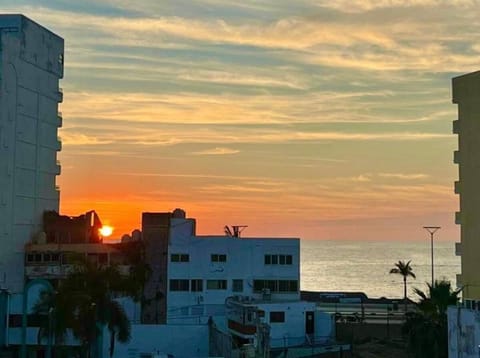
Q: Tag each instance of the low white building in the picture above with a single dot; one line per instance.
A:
(203, 271)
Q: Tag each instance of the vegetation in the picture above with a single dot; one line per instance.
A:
(426, 330)
(405, 270)
(84, 303)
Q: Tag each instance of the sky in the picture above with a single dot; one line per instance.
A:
(318, 119)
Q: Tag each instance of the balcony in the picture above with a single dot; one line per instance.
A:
(457, 187)
(458, 249)
(59, 144)
(456, 127)
(60, 94)
(59, 119)
(456, 157)
(58, 168)
(458, 218)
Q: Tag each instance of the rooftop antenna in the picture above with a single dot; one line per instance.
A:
(235, 231)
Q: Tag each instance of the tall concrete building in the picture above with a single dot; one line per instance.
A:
(31, 64)
(466, 94)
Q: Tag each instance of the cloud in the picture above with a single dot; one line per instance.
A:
(414, 176)
(78, 139)
(217, 151)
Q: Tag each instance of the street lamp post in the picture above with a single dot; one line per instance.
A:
(431, 230)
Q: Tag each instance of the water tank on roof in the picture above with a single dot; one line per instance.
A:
(136, 235)
(126, 238)
(179, 214)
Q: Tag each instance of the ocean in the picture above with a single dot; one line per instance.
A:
(364, 265)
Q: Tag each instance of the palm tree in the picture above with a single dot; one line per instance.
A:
(404, 269)
(84, 302)
(427, 329)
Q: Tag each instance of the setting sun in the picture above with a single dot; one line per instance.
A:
(106, 230)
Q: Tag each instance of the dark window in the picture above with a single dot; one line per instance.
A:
(268, 259)
(179, 285)
(47, 257)
(275, 286)
(30, 257)
(257, 285)
(179, 258)
(196, 285)
(216, 284)
(237, 285)
(277, 317)
(218, 258)
(55, 257)
(278, 259)
(283, 286)
(38, 257)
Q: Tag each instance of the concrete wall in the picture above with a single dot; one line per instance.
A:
(466, 93)
(31, 64)
(354, 332)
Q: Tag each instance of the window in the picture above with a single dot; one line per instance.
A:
(196, 285)
(30, 257)
(237, 285)
(216, 284)
(277, 317)
(179, 285)
(289, 259)
(287, 286)
(219, 258)
(275, 286)
(179, 258)
(278, 259)
(55, 257)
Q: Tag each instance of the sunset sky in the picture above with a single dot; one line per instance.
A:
(319, 119)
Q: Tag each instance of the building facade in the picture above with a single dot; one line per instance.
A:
(466, 94)
(203, 271)
(31, 65)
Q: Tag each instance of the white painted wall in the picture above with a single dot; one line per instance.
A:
(245, 260)
(180, 341)
(463, 333)
(31, 64)
(292, 332)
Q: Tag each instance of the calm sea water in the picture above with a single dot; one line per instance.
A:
(364, 266)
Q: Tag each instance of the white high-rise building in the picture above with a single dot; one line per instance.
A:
(31, 65)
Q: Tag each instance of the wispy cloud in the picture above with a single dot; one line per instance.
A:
(404, 176)
(217, 151)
